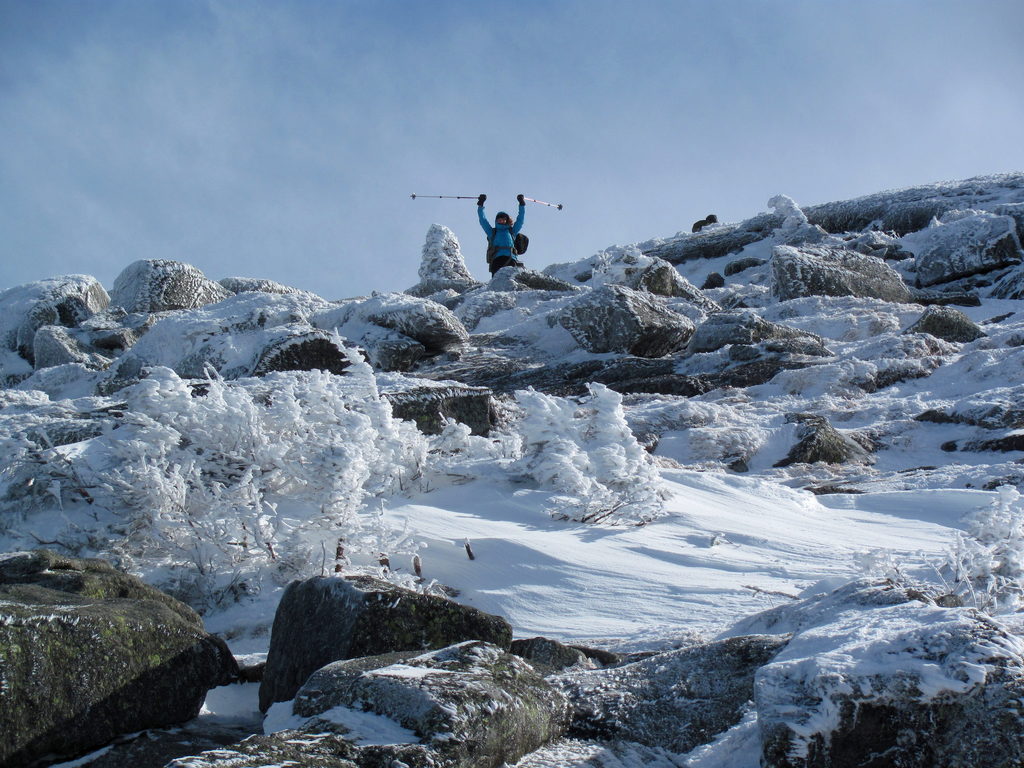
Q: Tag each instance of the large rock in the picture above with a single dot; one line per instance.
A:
(947, 324)
(64, 301)
(472, 705)
(157, 285)
(876, 679)
(327, 619)
(677, 700)
(431, 406)
(515, 279)
(613, 318)
(965, 246)
(442, 267)
(88, 653)
(819, 441)
(714, 242)
(258, 285)
(55, 345)
(823, 270)
(746, 327)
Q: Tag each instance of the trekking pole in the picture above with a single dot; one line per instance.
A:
(447, 197)
(551, 205)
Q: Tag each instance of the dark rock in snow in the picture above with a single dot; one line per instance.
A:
(740, 265)
(819, 441)
(968, 246)
(676, 700)
(471, 704)
(55, 345)
(746, 327)
(549, 656)
(515, 279)
(301, 349)
(944, 298)
(614, 318)
(326, 619)
(713, 280)
(430, 407)
(717, 241)
(822, 270)
(156, 285)
(89, 653)
(947, 324)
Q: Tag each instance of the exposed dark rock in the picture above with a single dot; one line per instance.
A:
(740, 265)
(89, 653)
(943, 298)
(968, 246)
(55, 345)
(715, 242)
(713, 280)
(819, 441)
(821, 270)
(549, 656)
(676, 700)
(745, 327)
(613, 318)
(430, 407)
(1010, 442)
(514, 279)
(390, 351)
(156, 285)
(327, 619)
(471, 704)
(305, 350)
(947, 324)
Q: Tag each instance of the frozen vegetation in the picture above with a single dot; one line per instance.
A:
(814, 413)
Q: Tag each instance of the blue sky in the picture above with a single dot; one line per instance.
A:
(283, 139)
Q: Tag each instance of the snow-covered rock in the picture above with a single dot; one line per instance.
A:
(56, 345)
(713, 242)
(817, 440)
(64, 301)
(442, 267)
(258, 285)
(432, 406)
(158, 285)
(747, 327)
(947, 324)
(824, 270)
(613, 318)
(524, 279)
(327, 619)
(676, 700)
(962, 247)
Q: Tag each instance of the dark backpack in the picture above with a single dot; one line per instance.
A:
(519, 245)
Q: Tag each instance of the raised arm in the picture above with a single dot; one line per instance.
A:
(519, 219)
(488, 229)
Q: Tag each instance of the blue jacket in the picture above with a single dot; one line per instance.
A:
(505, 235)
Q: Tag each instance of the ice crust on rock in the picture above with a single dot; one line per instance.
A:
(974, 243)
(157, 285)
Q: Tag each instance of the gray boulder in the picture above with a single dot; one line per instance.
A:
(711, 243)
(431, 406)
(819, 441)
(891, 682)
(55, 345)
(65, 301)
(614, 318)
(258, 285)
(741, 265)
(89, 653)
(676, 700)
(157, 285)
(391, 351)
(966, 246)
(522, 279)
(947, 324)
(427, 322)
(549, 656)
(327, 619)
(472, 705)
(300, 349)
(746, 327)
(822, 270)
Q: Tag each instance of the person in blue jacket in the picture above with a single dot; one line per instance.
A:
(501, 237)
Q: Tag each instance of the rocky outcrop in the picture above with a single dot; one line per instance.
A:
(823, 270)
(328, 619)
(714, 242)
(947, 324)
(431, 407)
(55, 345)
(676, 700)
(741, 265)
(613, 318)
(300, 349)
(819, 441)
(746, 327)
(62, 301)
(522, 279)
(158, 285)
(88, 653)
(470, 705)
(258, 285)
(966, 246)
(550, 656)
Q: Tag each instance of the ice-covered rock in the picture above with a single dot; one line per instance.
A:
(523, 279)
(431, 407)
(326, 619)
(471, 705)
(676, 700)
(442, 267)
(747, 327)
(823, 270)
(56, 345)
(64, 301)
(711, 243)
(741, 265)
(947, 324)
(633, 269)
(966, 246)
(548, 656)
(921, 685)
(157, 285)
(614, 318)
(258, 285)
(89, 653)
(819, 441)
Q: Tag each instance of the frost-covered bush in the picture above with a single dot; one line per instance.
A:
(220, 478)
(986, 567)
(586, 453)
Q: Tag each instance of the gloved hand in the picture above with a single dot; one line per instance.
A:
(521, 199)
(480, 200)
